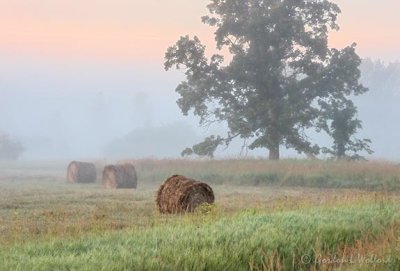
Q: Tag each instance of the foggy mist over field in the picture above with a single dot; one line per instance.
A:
(126, 110)
(60, 112)
(75, 85)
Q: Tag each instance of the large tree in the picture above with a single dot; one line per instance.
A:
(280, 69)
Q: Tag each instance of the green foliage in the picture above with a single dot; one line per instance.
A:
(339, 120)
(205, 148)
(280, 71)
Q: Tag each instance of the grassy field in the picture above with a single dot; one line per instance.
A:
(288, 215)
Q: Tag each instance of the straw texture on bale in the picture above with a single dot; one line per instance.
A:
(179, 194)
(81, 172)
(119, 176)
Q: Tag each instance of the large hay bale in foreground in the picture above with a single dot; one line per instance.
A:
(179, 194)
(119, 176)
(81, 172)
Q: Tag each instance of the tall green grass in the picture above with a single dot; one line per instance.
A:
(370, 175)
(250, 240)
(380, 176)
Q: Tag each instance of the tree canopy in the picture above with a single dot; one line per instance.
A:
(280, 76)
(339, 121)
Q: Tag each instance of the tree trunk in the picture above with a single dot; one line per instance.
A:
(341, 151)
(274, 138)
(274, 152)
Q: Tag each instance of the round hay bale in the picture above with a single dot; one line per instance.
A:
(179, 194)
(81, 172)
(119, 176)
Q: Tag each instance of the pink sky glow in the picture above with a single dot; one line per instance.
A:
(142, 30)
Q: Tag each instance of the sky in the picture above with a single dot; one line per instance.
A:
(131, 30)
(60, 61)
(123, 30)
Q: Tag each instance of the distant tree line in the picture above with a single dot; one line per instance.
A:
(10, 147)
(381, 77)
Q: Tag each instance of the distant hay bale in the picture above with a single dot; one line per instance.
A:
(81, 172)
(119, 176)
(179, 194)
